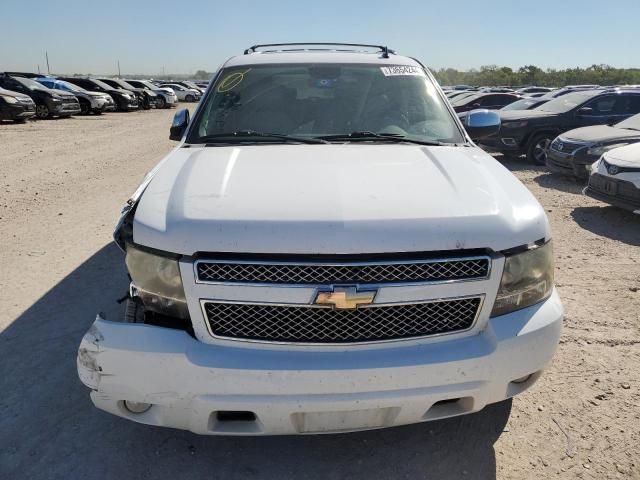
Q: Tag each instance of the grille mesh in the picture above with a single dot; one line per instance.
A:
(324, 325)
(415, 271)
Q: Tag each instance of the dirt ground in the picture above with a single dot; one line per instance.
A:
(63, 183)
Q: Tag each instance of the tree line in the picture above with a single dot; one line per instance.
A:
(494, 75)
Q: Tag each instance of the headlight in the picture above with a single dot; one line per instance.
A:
(158, 282)
(514, 124)
(526, 280)
(600, 149)
(9, 99)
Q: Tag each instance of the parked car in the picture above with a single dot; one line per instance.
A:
(125, 100)
(90, 102)
(146, 98)
(496, 90)
(315, 261)
(615, 178)
(49, 103)
(489, 101)
(166, 97)
(183, 93)
(16, 106)
(531, 132)
(190, 85)
(575, 151)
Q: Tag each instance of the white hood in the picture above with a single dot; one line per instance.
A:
(628, 156)
(335, 199)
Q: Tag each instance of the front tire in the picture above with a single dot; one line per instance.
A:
(133, 311)
(538, 148)
(42, 111)
(190, 98)
(160, 103)
(85, 108)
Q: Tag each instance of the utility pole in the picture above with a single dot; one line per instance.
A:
(38, 69)
(119, 75)
(46, 54)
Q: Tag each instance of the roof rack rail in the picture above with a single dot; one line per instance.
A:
(383, 48)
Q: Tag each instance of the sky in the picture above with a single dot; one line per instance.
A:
(155, 36)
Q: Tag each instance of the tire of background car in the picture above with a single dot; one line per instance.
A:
(133, 311)
(42, 111)
(190, 98)
(160, 103)
(538, 147)
(85, 107)
(146, 104)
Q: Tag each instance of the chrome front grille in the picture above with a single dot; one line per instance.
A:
(210, 271)
(311, 324)
(564, 146)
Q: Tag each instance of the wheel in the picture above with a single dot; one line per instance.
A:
(160, 103)
(42, 111)
(133, 311)
(85, 108)
(190, 98)
(538, 148)
(145, 103)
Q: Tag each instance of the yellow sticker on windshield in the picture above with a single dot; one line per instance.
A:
(231, 81)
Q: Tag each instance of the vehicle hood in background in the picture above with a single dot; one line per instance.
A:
(600, 133)
(628, 156)
(335, 199)
(509, 115)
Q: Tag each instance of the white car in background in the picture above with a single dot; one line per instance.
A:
(615, 178)
(184, 94)
(166, 96)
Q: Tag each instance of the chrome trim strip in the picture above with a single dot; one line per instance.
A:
(344, 264)
(321, 344)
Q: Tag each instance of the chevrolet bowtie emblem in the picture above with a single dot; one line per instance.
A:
(345, 298)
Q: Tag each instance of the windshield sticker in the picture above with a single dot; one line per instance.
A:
(231, 81)
(397, 70)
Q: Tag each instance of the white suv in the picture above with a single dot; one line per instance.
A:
(326, 250)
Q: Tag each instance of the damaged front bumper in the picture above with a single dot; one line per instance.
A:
(244, 390)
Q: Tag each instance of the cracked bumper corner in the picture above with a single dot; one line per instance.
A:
(89, 370)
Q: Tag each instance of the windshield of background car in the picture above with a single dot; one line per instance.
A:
(631, 123)
(30, 84)
(313, 100)
(465, 99)
(70, 86)
(520, 105)
(103, 85)
(566, 102)
(123, 84)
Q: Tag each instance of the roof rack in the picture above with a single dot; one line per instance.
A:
(382, 48)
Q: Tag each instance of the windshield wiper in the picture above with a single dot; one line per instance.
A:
(246, 135)
(388, 137)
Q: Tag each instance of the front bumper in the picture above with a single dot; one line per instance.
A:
(621, 194)
(67, 108)
(569, 164)
(17, 111)
(293, 391)
(502, 144)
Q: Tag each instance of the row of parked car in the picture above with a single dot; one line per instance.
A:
(588, 132)
(27, 95)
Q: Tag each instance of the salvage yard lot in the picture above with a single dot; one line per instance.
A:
(63, 185)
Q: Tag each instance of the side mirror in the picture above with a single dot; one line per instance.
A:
(179, 125)
(481, 123)
(585, 111)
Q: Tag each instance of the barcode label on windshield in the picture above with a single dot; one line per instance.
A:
(401, 70)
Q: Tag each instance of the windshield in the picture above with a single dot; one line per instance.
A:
(315, 100)
(632, 123)
(566, 102)
(520, 105)
(123, 84)
(71, 86)
(101, 84)
(30, 84)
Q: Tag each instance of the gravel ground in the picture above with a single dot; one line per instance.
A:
(63, 184)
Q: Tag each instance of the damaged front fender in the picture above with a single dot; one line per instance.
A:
(89, 370)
